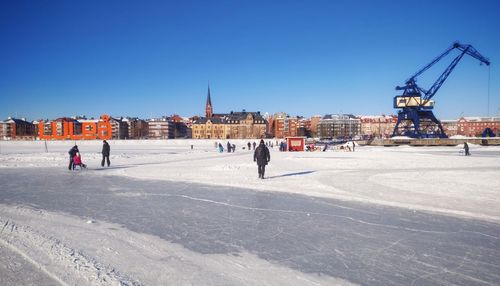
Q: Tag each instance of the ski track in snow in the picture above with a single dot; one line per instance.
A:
(60, 262)
(46, 245)
(429, 179)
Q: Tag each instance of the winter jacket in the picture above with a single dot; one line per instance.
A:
(72, 152)
(77, 160)
(261, 155)
(105, 149)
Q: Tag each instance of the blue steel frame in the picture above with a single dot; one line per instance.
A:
(419, 121)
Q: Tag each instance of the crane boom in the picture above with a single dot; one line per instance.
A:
(417, 102)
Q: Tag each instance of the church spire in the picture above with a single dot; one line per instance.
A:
(208, 106)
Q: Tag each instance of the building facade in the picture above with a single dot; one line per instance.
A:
(119, 128)
(342, 126)
(209, 128)
(16, 129)
(180, 126)
(314, 125)
(243, 125)
(450, 127)
(233, 125)
(285, 126)
(475, 126)
(161, 128)
(378, 126)
(137, 128)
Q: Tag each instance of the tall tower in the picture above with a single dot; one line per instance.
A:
(208, 107)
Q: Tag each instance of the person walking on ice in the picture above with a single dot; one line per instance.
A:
(262, 157)
(466, 149)
(105, 153)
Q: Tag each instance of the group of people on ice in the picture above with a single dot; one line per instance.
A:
(230, 148)
(261, 153)
(75, 158)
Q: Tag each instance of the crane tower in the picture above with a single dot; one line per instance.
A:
(415, 119)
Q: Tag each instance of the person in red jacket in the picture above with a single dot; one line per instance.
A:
(77, 161)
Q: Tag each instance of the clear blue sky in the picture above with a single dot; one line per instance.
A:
(154, 58)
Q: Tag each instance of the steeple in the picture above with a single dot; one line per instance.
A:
(208, 107)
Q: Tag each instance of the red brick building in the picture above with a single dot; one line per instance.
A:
(285, 126)
(474, 126)
(13, 129)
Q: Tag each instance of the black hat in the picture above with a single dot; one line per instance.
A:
(261, 141)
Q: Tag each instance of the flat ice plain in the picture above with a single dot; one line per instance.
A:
(166, 214)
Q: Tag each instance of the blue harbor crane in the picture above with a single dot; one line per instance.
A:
(415, 119)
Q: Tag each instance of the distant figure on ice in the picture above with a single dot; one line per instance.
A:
(221, 149)
(72, 153)
(228, 147)
(255, 144)
(234, 147)
(105, 152)
(249, 146)
(262, 157)
(466, 149)
(353, 145)
(77, 161)
(282, 146)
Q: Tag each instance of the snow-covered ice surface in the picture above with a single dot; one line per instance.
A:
(166, 214)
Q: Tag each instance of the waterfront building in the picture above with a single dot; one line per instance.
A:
(284, 125)
(450, 127)
(237, 125)
(16, 129)
(161, 128)
(378, 126)
(119, 128)
(344, 126)
(475, 126)
(137, 128)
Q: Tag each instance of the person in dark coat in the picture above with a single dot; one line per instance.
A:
(229, 147)
(249, 146)
(262, 157)
(72, 153)
(466, 149)
(105, 152)
(254, 144)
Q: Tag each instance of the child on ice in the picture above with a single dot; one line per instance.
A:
(77, 161)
